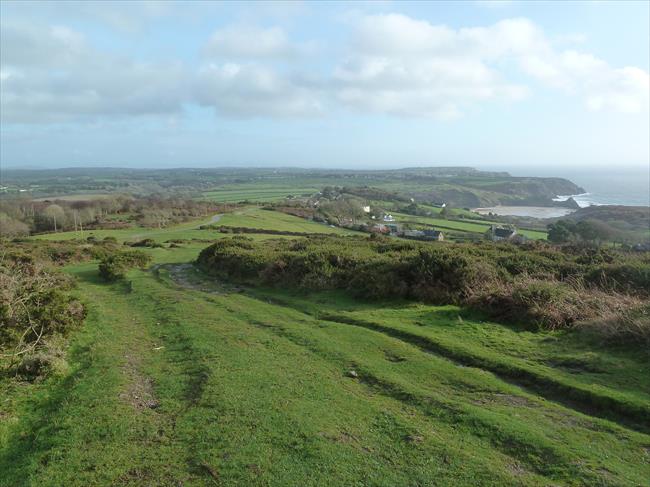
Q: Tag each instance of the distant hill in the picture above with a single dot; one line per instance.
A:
(632, 222)
(462, 187)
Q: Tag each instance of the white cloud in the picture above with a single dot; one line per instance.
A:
(409, 67)
(52, 74)
(602, 87)
(246, 79)
(23, 44)
(395, 65)
(126, 20)
(249, 42)
(625, 90)
(252, 90)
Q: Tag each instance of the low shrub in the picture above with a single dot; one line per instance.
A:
(34, 305)
(147, 242)
(630, 326)
(537, 285)
(538, 304)
(115, 266)
(44, 361)
(628, 277)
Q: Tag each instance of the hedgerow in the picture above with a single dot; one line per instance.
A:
(538, 284)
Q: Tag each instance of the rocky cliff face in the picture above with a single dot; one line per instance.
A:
(490, 190)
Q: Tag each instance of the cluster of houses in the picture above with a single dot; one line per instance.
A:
(385, 223)
(387, 217)
(499, 234)
(394, 229)
(494, 233)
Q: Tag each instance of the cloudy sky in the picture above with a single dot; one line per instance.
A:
(385, 84)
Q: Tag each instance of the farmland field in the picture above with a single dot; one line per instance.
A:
(252, 217)
(471, 226)
(256, 192)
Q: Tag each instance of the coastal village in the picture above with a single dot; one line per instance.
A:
(377, 220)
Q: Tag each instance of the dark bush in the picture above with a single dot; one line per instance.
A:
(115, 266)
(623, 277)
(147, 242)
(535, 284)
(34, 304)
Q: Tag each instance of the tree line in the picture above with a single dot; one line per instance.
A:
(21, 217)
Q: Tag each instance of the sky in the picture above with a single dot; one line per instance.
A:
(488, 84)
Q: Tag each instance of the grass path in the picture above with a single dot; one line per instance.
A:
(169, 385)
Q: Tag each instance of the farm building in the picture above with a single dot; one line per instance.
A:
(414, 233)
(380, 228)
(497, 234)
(428, 234)
(434, 235)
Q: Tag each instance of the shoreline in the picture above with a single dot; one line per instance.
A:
(540, 212)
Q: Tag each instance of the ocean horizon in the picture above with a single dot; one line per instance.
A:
(615, 186)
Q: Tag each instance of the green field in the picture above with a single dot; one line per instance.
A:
(184, 380)
(254, 217)
(256, 192)
(76, 197)
(463, 226)
(251, 217)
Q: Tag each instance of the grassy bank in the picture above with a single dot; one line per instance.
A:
(170, 384)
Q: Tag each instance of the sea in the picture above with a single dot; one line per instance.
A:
(603, 186)
(611, 186)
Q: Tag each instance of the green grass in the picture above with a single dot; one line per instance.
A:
(251, 217)
(76, 197)
(252, 388)
(563, 360)
(256, 192)
(464, 226)
(254, 217)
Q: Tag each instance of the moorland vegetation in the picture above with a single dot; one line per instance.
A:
(538, 284)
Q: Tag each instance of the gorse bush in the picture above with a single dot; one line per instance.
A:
(549, 304)
(45, 252)
(34, 306)
(537, 284)
(115, 266)
(631, 324)
(623, 277)
(147, 242)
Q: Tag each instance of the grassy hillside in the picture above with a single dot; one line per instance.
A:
(169, 384)
(628, 223)
(469, 226)
(257, 192)
(252, 217)
(457, 186)
(178, 378)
